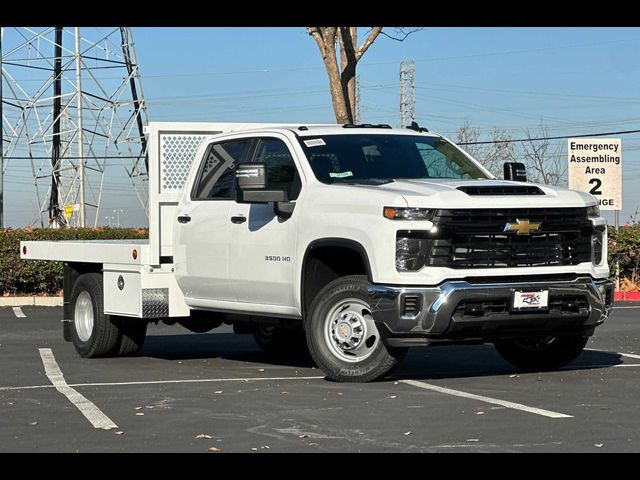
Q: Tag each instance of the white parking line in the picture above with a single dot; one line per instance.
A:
(195, 380)
(480, 398)
(17, 311)
(86, 407)
(620, 308)
(591, 367)
(162, 382)
(26, 387)
(628, 355)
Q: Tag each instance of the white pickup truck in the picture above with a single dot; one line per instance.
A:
(354, 241)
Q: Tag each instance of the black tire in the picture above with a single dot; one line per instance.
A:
(537, 355)
(133, 331)
(105, 335)
(381, 358)
(280, 342)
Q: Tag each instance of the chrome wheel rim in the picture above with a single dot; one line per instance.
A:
(83, 316)
(350, 332)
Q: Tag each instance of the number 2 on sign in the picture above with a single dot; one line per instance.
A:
(597, 183)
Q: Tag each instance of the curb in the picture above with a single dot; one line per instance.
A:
(626, 296)
(33, 301)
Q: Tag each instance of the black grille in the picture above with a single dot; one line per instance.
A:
(475, 216)
(481, 308)
(570, 305)
(556, 277)
(501, 190)
(476, 238)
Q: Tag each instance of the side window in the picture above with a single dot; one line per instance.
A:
(217, 175)
(281, 169)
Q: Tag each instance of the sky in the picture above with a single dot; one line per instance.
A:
(572, 80)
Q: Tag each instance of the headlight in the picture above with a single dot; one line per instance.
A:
(404, 213)
(593, 211)
(411, 250)
(597, 244)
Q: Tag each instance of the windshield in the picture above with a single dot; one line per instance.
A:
(357, 158)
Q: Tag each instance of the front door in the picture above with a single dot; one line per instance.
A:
(202, 228)
(262, 246)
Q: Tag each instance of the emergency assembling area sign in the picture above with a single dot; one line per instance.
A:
(595, 166)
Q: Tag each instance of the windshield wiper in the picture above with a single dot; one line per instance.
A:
(366, 181)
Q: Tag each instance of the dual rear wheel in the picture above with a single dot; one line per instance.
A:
(95, 334)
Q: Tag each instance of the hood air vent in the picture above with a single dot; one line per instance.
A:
(501, 190)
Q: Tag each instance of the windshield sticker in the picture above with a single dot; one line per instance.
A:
(314, 142)
(341, 174)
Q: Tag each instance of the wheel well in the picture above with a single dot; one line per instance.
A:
(324, 264)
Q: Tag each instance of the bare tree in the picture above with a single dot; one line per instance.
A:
(545, 163)
(491, 155)
(342, 76)
(467, 136)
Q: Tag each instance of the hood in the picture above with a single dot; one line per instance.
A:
(444, 193)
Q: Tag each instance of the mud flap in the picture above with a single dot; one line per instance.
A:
(69, 279)
(66, 330)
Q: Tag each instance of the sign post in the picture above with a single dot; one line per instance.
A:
(595, 166)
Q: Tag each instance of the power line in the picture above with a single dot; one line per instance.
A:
(367, 64)
(449, 87)
(601, 134)
(516, 112)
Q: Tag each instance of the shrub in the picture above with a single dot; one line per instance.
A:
(624, 246)
(27, 277)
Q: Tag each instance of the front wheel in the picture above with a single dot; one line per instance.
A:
(343, 338)
(538, 354)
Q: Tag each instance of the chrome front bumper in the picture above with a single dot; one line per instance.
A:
(459, 310)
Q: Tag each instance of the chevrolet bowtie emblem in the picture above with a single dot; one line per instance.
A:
(522, 227)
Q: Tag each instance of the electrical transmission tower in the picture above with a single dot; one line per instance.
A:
(407, 98)
(72, 110)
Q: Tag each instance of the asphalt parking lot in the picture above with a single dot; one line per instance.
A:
(190, 392)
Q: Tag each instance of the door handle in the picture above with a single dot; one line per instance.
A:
(184, 218)
(238, 219)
